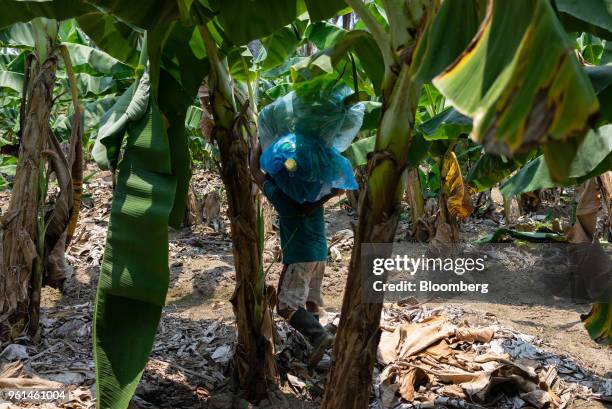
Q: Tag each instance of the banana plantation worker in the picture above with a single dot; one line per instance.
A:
(304, 249)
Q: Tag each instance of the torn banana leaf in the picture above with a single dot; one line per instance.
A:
(150, 194)
(593, 157)
(457, 194)
(599, 323)
(536, 237)
(521, 83)
(134, 276)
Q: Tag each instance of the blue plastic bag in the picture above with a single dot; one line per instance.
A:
(322, 115)
(305, 169)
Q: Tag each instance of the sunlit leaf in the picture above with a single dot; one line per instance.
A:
(599, 323)
(520, 83)
(593, 157)
(457, 193)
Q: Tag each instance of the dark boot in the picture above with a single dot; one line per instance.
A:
(309, 326)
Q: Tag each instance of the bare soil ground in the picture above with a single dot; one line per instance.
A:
(188, 365)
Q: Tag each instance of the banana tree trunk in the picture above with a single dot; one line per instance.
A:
(356, 343)
(21, 268)
(358, 334)
(254, 365)
(416, 201)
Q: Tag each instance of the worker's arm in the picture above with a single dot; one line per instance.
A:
(308, 207)
(256, 173)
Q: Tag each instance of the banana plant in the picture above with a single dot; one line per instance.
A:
(477, 73)
(153, 170)
(254, 364)
(33, 243)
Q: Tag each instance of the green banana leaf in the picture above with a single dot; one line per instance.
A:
(93, 111)
(17, 35)
(11, 80)
(324, 9)
(490, 169)
(593, 157)
(94, 61)
(129, 107)
(15, 11)
(525, 63)
(357, 152)
(593, 16)
(134, 276)
(145, 14)
(437, 50)
(279, 46)
(449, 124)
(342, 46)
(247, 20)
(111, 35)
(91, 86)
(536, 237)
(180, 80)
(599, 323)
(601, 79)
(151, 191)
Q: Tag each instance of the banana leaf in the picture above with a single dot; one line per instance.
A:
(94, 61)
(449, 124)
(599, 323)
(129, 107)
(151, 191)
(134, 276)
(536, 237)
(324, 9)
(593, 157)
(593, 16)
(357, 153)
(11, 80)
(520, 85)
(15, 11)
(601, 79)
(111, 35)
(490, 169)
(246, 20)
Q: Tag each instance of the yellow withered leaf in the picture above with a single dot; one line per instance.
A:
(459, 201)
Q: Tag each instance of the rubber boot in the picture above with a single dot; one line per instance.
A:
(309, 326)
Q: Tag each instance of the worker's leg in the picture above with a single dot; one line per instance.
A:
(314, 300)
(294, 288)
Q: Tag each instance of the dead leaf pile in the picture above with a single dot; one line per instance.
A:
(427, 360)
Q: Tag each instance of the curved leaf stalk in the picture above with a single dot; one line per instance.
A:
(380, 36)
(358, 334)
(75, 158)
(254, 365)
